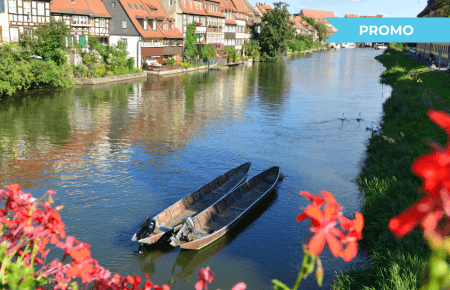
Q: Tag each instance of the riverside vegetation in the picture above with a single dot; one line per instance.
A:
(386, 179)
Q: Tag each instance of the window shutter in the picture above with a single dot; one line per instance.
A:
(2, 6)
(83, 41)
(70, 40)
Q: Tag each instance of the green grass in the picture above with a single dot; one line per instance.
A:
(386, 179)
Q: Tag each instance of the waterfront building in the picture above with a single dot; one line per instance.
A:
(351, 16)
(298, 26)
(159, 38)
(227, 7)
(241, 17)
(185, 12)
(4, 22)
(430, 51)
(319, 16)
(311, 30)
(253, 22)
(25, 16)
(121, 28)
(262, 8)
(215, 22)
(85, 18)
(376, 16)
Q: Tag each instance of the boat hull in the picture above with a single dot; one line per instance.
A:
(206, 219)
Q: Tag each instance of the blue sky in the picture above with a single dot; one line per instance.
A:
(389, 8)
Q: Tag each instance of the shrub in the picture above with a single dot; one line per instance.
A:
(171, 61)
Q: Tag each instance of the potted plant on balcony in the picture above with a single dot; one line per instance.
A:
(180, 43)
(199, 23)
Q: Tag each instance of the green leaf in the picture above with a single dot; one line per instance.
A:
(278, 285)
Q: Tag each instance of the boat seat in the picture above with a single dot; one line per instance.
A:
(164, 229)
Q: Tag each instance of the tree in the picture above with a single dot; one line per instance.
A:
(444, 8)
(252, 49)
(48, 41)
(323, 31)
(190, 44)
(208, 52)
(276, 30)
(310, 20)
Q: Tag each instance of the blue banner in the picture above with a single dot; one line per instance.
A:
(425, 29)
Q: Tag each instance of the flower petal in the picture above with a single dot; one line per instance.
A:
(239, 286)
(335, 245)
(200, 284)
(314, 213)
(350, 251)
(316, 244)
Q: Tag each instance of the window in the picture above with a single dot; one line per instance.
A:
(190, 4)
(124, 40)
(170, 2)
(145, 24)
(102, 22)
(83, 41)
(137, 8)
(154, 24)
(124, 24)
(165, 27)
(131, 7)
(113, 4)
(12, 6)
(172, 26)
(27, 7)
(142, 7)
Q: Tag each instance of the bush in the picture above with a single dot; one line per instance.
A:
(171, 61)
(144, 65)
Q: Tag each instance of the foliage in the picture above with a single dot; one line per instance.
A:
(48, 41)
(387, 183)
(252, 49)
(171, 61)
(219, 45)
(20, 70)
(29, 226)
(208, 52)
(144, 65)
(323, 31)
(444, 8)
(231, 52)
(276, 31)
(310, 20)
(190, 43)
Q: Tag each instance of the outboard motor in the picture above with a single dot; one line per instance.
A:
(187, 228)
(147, 228)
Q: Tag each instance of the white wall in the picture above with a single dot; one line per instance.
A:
(4, 23)
(132, 47)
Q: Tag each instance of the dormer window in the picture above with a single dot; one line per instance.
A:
(165, 27)
(145, 24)
(131, 7)
(170, 2)
(137, 8)
(154, 25)
(172, 26)
(142, 7)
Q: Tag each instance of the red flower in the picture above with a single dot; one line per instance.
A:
(206, 276)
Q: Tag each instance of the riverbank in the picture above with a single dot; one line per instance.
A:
(386, 179)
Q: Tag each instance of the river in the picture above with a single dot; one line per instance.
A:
(119, 152)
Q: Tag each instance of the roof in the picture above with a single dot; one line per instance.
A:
(351, 15)
(95, 8)
(217, 14)
(186, 8)
(240, 6)
(250, 8)
(318, 15)
(266, 7)
(230, 21)
(161, 15)
(134, 14)
(227, 5)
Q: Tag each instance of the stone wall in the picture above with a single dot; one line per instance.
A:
(95, 81)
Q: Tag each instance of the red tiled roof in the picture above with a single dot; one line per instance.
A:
(378, 16)
(95, 7)
(230, 21)
(240, 6)
(266, 7)
(186, 8)
(351, 15)
(134, 14)
(317, 14)
(174, 34)
(227, 5)
(250, 8)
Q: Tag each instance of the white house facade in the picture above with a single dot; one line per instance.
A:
(4, 22)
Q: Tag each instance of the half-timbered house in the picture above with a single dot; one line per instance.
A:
(25, 16)
(85, 18)
(227, 8)
(241, 17)
(215, 22)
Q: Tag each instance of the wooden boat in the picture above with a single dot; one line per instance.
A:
(169, 220)
(227, 212)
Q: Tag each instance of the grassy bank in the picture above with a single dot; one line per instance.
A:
(386, 178)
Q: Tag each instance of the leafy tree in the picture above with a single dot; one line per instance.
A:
(190, 43)
(231, 52)
(252, 48)
(310, 20)
(323, 31)
(48, 41)
(444, 8)
(276, 31)
(208, 52)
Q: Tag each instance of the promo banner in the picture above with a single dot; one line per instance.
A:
(424, 29)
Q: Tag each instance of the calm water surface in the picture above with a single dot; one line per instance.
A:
(117, 153)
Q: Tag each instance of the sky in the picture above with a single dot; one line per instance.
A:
(389, 8)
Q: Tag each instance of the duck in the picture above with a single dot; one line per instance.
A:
(370, 127)
(342, 118)
(359, 118)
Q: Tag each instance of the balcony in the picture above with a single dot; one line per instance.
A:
(172, 50)
(200, 29)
